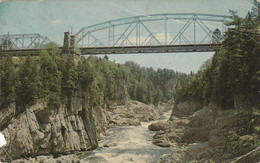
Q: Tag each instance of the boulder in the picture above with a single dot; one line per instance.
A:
(157, 126)
(162, 142)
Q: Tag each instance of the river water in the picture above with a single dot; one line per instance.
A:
(127, 144)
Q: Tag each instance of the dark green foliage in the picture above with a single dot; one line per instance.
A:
(69, 77)
(85, 72)
(53, 49)
(234, 70)
(216, 36)
(29, 83)
(106, 57)
(57, 80)
(50, 77)
(150, 86)
(7, 81)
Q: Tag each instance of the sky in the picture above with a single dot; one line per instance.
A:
(53, 17)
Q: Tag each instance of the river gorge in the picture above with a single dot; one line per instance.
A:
(128, 144)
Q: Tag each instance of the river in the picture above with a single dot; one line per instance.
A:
(127, 144)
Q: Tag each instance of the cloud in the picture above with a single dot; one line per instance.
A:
(161, 37)
(56, 22)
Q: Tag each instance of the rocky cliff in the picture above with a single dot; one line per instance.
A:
(209, 133)
(41, 130)
(53, 132)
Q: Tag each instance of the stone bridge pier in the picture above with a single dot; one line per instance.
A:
(68, 43)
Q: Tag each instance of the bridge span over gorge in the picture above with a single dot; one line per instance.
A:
(157, 33)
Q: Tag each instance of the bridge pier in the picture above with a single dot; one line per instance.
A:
(68, 43)
(72, 42)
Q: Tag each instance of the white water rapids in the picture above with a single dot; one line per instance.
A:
(127, 144)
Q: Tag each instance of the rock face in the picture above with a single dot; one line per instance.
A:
(6, 115)
(41, 130)
(202, 135)
(185, 109)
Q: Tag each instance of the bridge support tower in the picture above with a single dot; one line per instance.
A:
(68, 43)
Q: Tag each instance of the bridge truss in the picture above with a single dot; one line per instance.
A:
(22, 41)
(158, 30)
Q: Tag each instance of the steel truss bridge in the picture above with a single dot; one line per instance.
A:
(22, 44)
(22, 41)
(157, 33)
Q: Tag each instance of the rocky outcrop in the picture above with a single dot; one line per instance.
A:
(41, 130)
(50, 159)
(185, 108)
(133, 113)
(204, 135)
(6, 116)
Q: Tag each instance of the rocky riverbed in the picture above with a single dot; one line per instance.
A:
(128, 144)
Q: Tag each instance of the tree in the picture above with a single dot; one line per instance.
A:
(53, 48)
(7, 81)
(233, 69)
(69, 78)
(205, 65)
(256, 9)
(85, 71)
(29, 83)
(216, 36)
(106, 57)
(50, 79)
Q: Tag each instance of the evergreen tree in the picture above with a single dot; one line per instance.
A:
(50, 78)
(69, 78)
(7, 81)
(29, 83)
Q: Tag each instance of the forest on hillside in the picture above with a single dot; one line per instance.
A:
(55, 79)
(234, 71)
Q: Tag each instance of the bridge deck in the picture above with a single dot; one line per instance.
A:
(150, 49)
(125, 50)
(20, 52)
